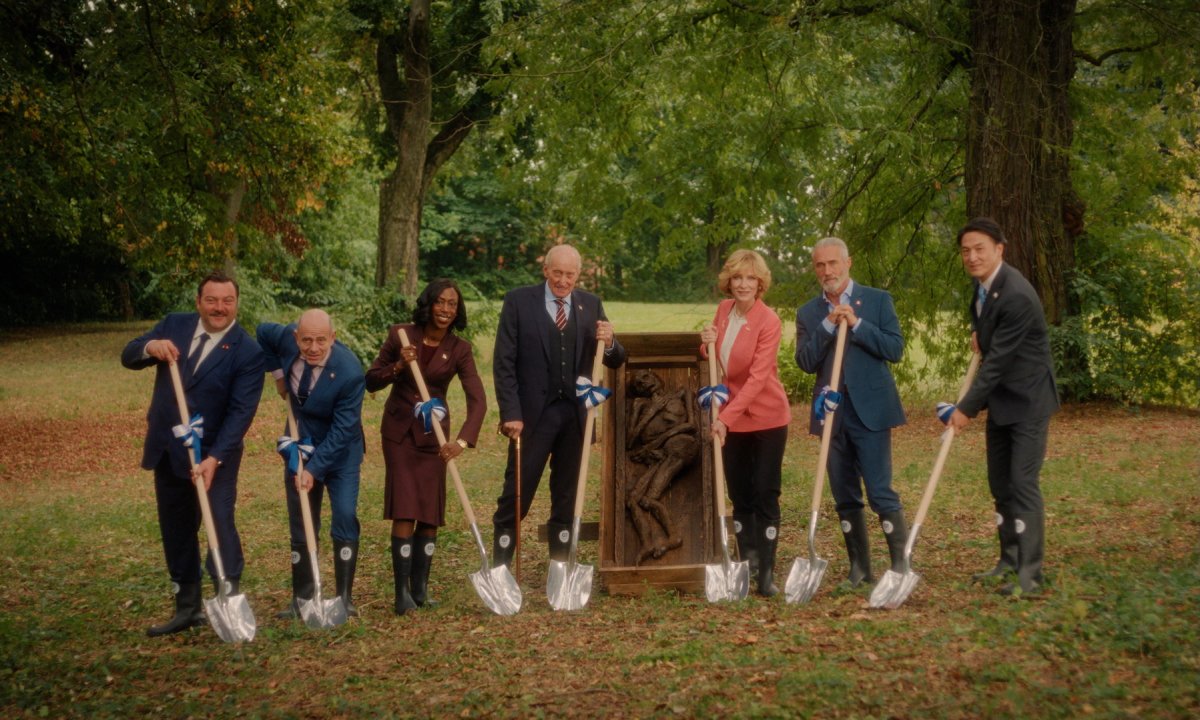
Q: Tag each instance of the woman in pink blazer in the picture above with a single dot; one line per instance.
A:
(753, 426)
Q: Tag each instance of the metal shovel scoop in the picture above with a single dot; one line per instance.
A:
(495, 585)
(726, 580)
(805, 576)
(894, 587)
(230, 615)
(569, 584)
(316, 611)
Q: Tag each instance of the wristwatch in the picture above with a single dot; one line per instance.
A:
(462, 443)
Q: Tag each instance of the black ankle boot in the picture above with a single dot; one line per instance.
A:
(303, 585)
(189, 612)
(401, 571)
(1030, 529)
(558, 537)
(504, 542)
(1007, 564)
(747, 545)
(858, 547)
(424, 546)
(896, 534)
(768, 540)
(345, 560)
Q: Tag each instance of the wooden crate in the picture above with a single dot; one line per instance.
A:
(675, 358)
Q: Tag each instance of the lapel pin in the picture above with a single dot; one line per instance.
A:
(332, 375)
(444, 357)
(225, 346)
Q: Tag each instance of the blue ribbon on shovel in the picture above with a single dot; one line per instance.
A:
(706, 394)
(292, 452)
(191, 434)
(826, 402)
(590, 395)
(944, 411)
(428, 410)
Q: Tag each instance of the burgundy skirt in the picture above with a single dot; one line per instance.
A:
(414, 483)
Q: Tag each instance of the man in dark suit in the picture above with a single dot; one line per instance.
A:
(546, 339)
(222, 378)
(1016, 384)
(860, 447)
(324, 382)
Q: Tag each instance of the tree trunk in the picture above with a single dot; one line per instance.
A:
(1019, 138)
(408, 103)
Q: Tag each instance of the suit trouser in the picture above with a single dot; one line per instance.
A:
(856, 451)
(343, 504)
(1014, 458)
(754, 468)
(179, 521)
(557, 438)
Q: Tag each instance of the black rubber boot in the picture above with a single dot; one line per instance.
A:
(858, 547)
(558, 537)
(1005, 528)
(345, 560)
(768, 540)
(303, 585)
(504, 542)
(401, 570)
(1030, 529)
(896, 534)
(747, 547)
(423, 547)
(189, 612)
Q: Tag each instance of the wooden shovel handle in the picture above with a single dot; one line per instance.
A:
(310, 536)
(589, 424)
(441, 435)
(210, 529)
(944, 450)
(827, 428)
(718, 457)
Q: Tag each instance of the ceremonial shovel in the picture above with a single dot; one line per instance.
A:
(569, 584)
(315, 611)
(806, 574)
(230, 615)
(894, 588)
(495, 585)
(727, 580)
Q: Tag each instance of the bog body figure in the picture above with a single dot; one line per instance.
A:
(546, 338)
(323, 381)
(222, 373)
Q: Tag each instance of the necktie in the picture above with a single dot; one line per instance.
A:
(193, 359)
(981, 296)
(560, 315)
(305, 381)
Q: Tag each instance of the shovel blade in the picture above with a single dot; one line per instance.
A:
(498, 589)
(893, 589)
(727, 582)
(568, 585)
(231, 617)
(323, 613)
(804, 579)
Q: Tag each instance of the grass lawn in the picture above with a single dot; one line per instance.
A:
(1116, 635)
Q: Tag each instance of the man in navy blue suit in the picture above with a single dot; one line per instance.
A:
(324, 381)
(1016, 384)
(546, 338)
(221, 368)
(861, 444)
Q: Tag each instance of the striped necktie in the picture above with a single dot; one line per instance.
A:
(560, 315)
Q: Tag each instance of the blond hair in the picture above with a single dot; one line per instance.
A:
(743, 260)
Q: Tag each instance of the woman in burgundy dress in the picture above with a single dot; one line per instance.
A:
(414, 496)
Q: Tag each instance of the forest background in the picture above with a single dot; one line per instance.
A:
(340, 154)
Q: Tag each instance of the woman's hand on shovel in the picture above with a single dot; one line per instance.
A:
(718, 432)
